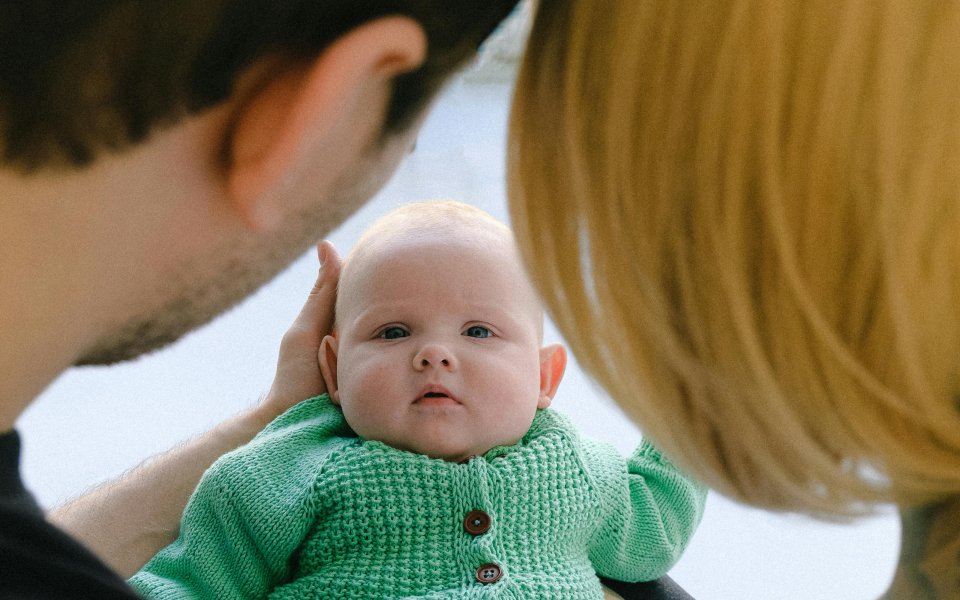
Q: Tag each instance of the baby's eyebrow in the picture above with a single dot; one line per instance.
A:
(498, 316)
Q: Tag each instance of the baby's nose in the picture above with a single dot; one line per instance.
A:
(433, 355)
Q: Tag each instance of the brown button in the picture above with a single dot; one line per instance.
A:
(489, 573)
(476, 522)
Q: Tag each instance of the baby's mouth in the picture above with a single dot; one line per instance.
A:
(435, 395)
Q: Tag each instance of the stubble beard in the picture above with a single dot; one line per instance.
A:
(249, 264)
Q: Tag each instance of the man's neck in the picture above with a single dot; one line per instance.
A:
(929, 566)
(40, 338)
(85, 249)
(39, 306)
(64, 264)
(22, 383)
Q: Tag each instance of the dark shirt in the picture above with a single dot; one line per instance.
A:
(38, 560)
(661, 589)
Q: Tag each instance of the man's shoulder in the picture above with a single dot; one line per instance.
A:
(38, 560)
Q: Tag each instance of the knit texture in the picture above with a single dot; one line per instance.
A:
(308, 510)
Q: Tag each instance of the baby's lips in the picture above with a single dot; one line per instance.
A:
(435, 392)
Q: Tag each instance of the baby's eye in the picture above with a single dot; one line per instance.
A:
(478, 331)
(393, 332)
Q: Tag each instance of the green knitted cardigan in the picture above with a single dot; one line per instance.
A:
(309, 510)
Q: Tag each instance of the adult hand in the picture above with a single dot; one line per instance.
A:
(298, 371)
(126, 521)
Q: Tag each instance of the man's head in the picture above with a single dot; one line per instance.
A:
(81, 77)
(184, 152)
(437, 343)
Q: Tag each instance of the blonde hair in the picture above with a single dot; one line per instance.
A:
(744, 217)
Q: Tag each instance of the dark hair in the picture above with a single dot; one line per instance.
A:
(81, 76)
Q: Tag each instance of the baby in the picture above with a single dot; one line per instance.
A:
(433, 467)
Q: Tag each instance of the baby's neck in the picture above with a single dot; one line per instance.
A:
(929, 566)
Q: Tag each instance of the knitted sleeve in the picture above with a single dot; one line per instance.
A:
(250, 512)
(651, 511)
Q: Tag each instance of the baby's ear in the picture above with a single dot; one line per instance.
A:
(553, 362)
(328, 367)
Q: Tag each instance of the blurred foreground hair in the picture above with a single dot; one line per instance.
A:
(744, 217)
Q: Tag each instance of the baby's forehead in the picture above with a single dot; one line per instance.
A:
(415, 255)
(408, 233)
(487, 244)
(465, 223)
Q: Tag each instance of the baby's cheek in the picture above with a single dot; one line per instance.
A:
(364, 419)
(359, 372)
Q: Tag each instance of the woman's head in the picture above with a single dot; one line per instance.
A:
(745, 218)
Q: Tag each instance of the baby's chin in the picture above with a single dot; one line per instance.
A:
(454, 453)
(451, 444)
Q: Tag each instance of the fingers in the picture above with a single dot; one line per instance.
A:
(317, 311)
(298, 370)
(329, 265)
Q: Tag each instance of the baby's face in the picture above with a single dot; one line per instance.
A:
(438, 347)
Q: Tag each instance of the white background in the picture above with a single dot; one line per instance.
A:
(92, 424)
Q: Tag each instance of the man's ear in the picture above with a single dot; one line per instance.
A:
(553, 362)
(298, 116)
(328, 367)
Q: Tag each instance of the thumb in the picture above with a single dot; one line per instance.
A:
(317, 313)
(298, 370)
